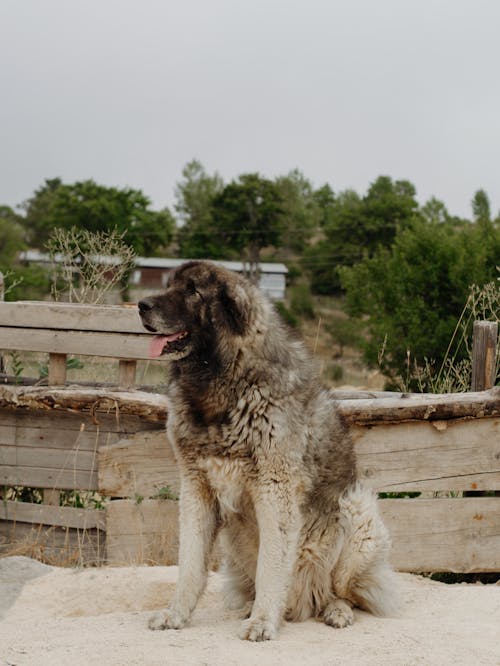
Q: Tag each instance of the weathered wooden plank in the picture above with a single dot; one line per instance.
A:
(460, 534)
(71, 459)
(421, 407)
(88, 343)
(45, 514)
(149, 406)
(51, 425)
(8, 455)
(55, 438)
(44, 477)
(152, 406)
(441, 455)
(54, 545)
(138, 465)
(142, 533)
(82, 317)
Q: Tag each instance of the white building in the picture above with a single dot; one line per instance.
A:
(151, 273)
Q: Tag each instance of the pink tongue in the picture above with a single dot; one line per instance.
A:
(158, 343)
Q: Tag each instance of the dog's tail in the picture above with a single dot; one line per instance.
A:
(363, 573)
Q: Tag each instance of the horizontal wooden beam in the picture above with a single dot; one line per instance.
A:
(48, 477)
(457, 534)
(42, 514)
(365, 412)
(62, 546)
(88, 343)
(458, 454)
(149, 406)
(460, 534)
(421, 407)
(70, 316)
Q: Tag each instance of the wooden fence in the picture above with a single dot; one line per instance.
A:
(109, 442)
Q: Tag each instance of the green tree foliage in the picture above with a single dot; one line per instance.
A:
(481, 210)
(21, 282)
(302, 211)
(413, 293)
(96, 208)
(326, 202)
(435, 212)
(248, 216)
(27, 283)
(194, 195)
(11, 237)
(355, 227)
(38, 211)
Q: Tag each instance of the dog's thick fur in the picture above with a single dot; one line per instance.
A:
(264, 460)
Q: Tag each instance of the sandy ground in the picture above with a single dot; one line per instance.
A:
(99, 616)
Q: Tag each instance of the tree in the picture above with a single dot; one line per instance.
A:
(194, 195)
(388, 206)
(247, 216)
(96, 208)
(326, 202)
(37, 212)
(357, 226)
(301, 210)
(434, 211)
(481, 211)
(11, 237)
(413, 293)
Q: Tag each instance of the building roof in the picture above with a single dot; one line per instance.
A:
(238, 266)
(161, 262)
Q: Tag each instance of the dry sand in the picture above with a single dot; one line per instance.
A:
(98, 616)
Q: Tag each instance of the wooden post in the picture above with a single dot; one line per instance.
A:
(57, 377)
(484, 346)
(2, 295)
(51, 496)
(126, 374)
(57, 369)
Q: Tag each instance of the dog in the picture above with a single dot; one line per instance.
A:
(265, 462)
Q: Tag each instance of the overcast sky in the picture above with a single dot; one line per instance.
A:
(126, 92)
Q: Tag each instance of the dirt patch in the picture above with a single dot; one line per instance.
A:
(86, 616)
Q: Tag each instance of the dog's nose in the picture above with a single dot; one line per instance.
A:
(144, 306)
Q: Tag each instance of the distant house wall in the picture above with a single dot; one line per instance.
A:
(151, 273)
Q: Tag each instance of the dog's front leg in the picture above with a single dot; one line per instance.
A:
(278, 522)
(197, 526)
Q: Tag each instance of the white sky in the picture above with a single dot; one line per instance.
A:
(127, 91)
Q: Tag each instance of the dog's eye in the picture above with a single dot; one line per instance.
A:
(191, 289)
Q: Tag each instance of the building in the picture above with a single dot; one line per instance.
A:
(151, 273)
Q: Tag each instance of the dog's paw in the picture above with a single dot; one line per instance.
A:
(166, 619)
(338, 614)
(258, 629)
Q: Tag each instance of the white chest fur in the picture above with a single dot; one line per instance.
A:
(227, 479)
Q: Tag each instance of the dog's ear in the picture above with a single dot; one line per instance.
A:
(235, 307)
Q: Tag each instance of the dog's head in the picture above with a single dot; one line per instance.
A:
(203, 306)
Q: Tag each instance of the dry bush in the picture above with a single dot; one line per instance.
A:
(87, 265)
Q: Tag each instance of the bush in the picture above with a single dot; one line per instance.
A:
(414, 293)
(301, 303)
(27, 283)
(286, 315)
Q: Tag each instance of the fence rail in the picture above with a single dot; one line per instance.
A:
(111, 441)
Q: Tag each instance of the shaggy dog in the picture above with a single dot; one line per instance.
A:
(264, 460)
